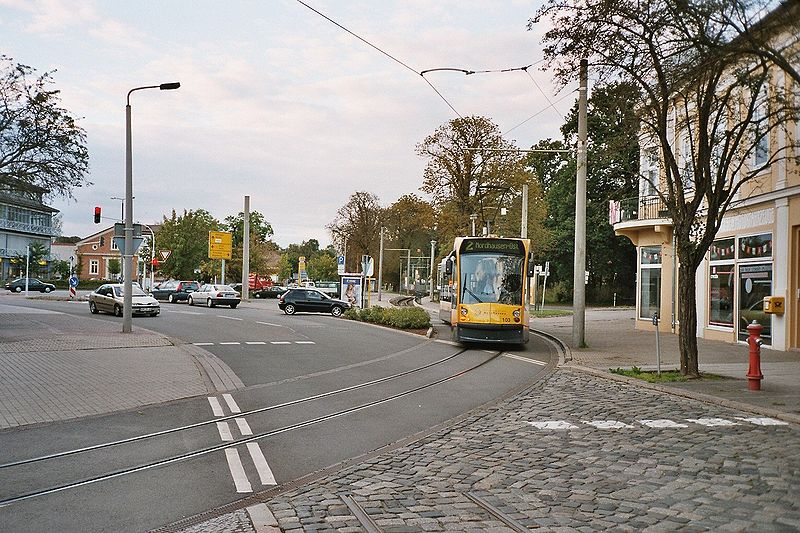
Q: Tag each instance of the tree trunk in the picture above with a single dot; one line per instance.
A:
(687, 315)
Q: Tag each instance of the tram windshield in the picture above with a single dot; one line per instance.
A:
(491, 277)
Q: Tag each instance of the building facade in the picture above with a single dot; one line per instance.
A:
(24, 221)
(97, 254)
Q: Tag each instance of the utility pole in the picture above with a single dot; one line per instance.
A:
(578, 278)
(380, 268)
(473, 218)
(523, 233)
(246, 250)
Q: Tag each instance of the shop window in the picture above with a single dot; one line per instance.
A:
(755, 282)
(720, 297)
(649, 281)
(723, 249)
(755, 246)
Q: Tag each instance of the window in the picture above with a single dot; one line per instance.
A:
(761, 132)
(755, 246)
(94, 267)
(720, 295)
(649, 281)
(651, 172)
(114, 245)
(687, 172)
(755, 282)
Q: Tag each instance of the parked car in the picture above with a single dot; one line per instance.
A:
(18, 285)
(270, 292)
(212, 295)
(110, 298)
(310, 300)
(174, 291)
(237, 287)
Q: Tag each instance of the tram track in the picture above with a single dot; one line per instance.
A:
(230, 444)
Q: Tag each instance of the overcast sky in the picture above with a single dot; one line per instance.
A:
(275, 101)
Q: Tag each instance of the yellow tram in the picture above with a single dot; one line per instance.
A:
(483, 290)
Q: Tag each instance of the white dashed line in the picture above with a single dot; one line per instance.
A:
(662, 423)
(203, 343)
(280, 342)
(256, 342)
(237, 471)
(264, 471)
(553, 424)
(711, 422)
(224, 431)
(229, 317)
(759, 421)
(229, 343)
(607, 424)
(244, 427)
(216, 408)
(525, 359)
(304, 342)
(271, 324)
(231, 403)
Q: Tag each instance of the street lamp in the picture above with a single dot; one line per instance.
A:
(152, 253)
(127, 303)
(430, 285)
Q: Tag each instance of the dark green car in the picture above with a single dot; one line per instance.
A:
(18, 285)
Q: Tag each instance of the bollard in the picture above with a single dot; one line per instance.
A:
(754, 375)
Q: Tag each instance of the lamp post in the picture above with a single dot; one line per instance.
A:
(430, 284)
(152, 254)
(127, 303)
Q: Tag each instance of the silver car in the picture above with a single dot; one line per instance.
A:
(211, 295)
(110, 297)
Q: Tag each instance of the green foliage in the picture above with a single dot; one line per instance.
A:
(187, 237)
(61, 268)
(114, 266)
(396, 317)
(560, 292)
(260, 229)
(323, 267)
(649, 376)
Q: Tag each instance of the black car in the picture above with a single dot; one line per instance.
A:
(310, 300)
(18, 285)
(174, 291)
(269, 292)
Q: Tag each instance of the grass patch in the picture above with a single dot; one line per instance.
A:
(649, 376)
(549, 313)
(395, 317)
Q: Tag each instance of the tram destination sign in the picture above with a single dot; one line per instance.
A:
(506, 246)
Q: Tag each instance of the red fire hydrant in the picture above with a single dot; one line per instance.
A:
(754, 375)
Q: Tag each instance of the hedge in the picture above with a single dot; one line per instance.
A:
(400, 317)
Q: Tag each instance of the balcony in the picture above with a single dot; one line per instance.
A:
(640, 212)
(22, 227)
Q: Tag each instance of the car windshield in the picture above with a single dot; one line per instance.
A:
(118, 291)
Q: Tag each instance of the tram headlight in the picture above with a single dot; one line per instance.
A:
(463, 311)
(516, 314)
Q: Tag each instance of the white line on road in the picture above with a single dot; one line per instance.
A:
(203, 343)
(229, 317)
(271, 324)
(256, 342)
(244, 427)
(280, 342)
(237, 471)
(762, 421)
(216, 408)
(304, 342)
(526, 359)
(231, 403)
(229, 343)
(224, 431)
(264, 471)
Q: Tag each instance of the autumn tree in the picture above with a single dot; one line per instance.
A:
(40, 142)
(708, 103)
(358, 222)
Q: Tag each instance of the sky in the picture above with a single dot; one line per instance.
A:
(276, 102)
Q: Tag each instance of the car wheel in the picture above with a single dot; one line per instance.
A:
(47, 289)
(18, 289)
(289, 309)
(336, 310)
(209, 303)
(233, 306)
(93, 308)
(117, 310)
(171, 299)
(191, 301)
(257, 295)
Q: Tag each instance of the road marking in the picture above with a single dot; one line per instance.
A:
(216, 408)
(256, 342)
(304, 342)
(553, 424)
(224, 431)
(280, 342)
(271, 324)
(229, 317)
(229, 343)
(244, 427)
(607, 424)
(662, 423)
(526, 359)
(711, 422)
(203, 343)
(237, 471)
(231, 403)
(264, 471)
(759, 421)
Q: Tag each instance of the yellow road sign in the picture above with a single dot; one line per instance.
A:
(219, 245)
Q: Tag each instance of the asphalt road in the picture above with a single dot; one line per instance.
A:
(325, 390)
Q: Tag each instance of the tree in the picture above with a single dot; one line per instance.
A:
(359, 223)
(37, 252)
(264, 254)
(260, 229)
(113, 267)
(288, 264)
(40, 143)
(707, 104)
(323, 267)
(187, 236)
(61, 268)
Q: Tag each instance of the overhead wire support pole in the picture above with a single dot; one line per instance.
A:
(578, 279)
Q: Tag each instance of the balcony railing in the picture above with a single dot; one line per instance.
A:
(27, 228)
(10, 254)
(638, 208)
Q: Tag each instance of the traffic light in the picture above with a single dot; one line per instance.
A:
(97, 215)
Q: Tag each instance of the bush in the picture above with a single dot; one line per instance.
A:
(401, 318)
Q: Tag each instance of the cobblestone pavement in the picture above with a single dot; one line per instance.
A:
(701, 474)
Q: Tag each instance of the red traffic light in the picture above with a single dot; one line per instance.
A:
(154, 262)
(97, 215)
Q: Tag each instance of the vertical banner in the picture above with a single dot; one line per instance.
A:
(351, 290)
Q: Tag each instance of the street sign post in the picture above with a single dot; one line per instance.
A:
(219, 245)
(340, 265)
(164, 254)
(73, 284)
